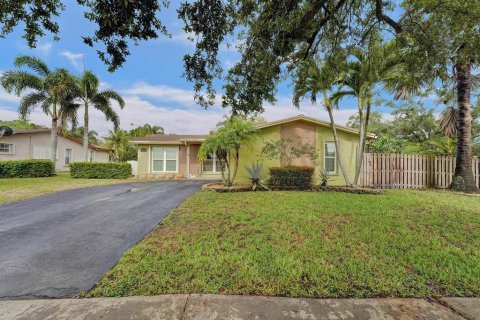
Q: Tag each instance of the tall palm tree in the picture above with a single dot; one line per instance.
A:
(313, 79)
(89, 93)
(49, 90)
(456, 120)
(378, 64)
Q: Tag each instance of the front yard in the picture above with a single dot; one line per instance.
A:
(24, 188)
(309, 244)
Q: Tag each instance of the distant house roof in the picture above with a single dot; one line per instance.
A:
(177, 139)
(68, 136)
(174, 139)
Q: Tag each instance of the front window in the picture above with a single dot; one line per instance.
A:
(91, 156)
(164, 159)
(330, 158)
(68, 156)
(212, 163)
(6, 148)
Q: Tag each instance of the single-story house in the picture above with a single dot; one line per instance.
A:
(176, 156)
(36, 144)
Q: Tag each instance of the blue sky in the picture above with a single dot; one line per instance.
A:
(150, 81)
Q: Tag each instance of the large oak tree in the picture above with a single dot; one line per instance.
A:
(275, 37)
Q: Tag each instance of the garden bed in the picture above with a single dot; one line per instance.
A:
(219, 187)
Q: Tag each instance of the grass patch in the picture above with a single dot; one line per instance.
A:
(15, 189)
(308, 244)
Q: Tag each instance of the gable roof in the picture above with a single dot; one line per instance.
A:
(179, 139)
(67, 136)
(322, 123)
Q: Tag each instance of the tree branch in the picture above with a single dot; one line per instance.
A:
(383, 17)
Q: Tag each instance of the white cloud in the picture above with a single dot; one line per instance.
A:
(76, 59)
(162, 93)
(44, 48)
(8, 97)
(185, 117)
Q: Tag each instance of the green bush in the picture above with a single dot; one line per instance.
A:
(26, 168)
(291, 177)
(100, 170)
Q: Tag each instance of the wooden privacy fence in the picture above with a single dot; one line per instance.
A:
(405, 171)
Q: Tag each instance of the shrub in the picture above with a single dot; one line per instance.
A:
(26, 168)
(100, 170)
(291, 177)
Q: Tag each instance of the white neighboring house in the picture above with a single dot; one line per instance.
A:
(35, 144)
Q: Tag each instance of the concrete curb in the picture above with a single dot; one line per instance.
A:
(198, 306)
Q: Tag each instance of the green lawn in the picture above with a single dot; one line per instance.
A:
(308, 244)
(25, 188)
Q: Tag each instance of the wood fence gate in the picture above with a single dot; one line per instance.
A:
(405, 171)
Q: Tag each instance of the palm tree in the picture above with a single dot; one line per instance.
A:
(320, 78)
(118, 141)
(92, 135)
(51, 91)
(145, 130)
(379, 63)
(89, 93)
(456, 120)
(226, 141)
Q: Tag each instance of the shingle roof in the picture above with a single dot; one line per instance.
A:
(170, 138)
(68, 136)
(176, 139)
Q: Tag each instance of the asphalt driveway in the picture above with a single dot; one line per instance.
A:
(61, 244)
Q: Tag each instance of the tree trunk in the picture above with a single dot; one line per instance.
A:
(54, 134)
(358, 163)
(85, 132)
(235, 166)
(335, 138)
(463, 179)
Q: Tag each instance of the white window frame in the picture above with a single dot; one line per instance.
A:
(164, 159)
(330, 157)
(11, 148)
(70, 158)
(214, 165)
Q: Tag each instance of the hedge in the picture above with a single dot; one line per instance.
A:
(26, 168)
(100, 170)
(291, 177)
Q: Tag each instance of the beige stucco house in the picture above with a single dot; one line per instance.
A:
(36, 144)
(176, 156)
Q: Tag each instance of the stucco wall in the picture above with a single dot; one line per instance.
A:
(298, 131)
(304, 132)
(24, 144)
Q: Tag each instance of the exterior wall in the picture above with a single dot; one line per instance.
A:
(304, 132)
(24, 144)
(251, 153)
(300, 132)
(297, 131)
(195, 166)
(144, 159)
(348, 153)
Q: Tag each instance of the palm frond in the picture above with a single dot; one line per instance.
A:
(18, 81)
(30, 101)
(33, 63)
(105, 107)
(448, 121)
(112, 95)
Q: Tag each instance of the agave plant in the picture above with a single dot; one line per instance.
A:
(255, 172)
(324, 178)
